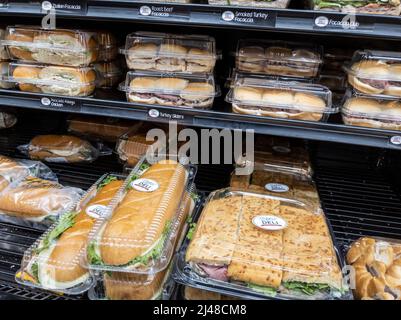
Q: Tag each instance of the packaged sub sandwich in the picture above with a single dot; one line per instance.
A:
(132, 286)
(37, 200)
(257, 246)
(390, 7)
(60, 148)
(280, 4)
(53, 261)
(138, 236)
(13, 171)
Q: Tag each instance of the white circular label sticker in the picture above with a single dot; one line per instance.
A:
(145, 10)
(396, 140)
(47, 5)
(269, 223)
(322, 21)
(153, 113)
(228, 16)
(145, 185)
(96, 211)
(45, 101)
(277, 187)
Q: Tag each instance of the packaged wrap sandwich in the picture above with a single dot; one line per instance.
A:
(4, 69)
(64, 47)
(108, 129)
(390, 7)
(60, 149)
(133, 145)
(132, 286)
(109, 74)
(3, 51)
(279, 4)
(253, 95)
(139, 234)
(288, 59)
(7, 120)
(376, 263)
(38, 201)
(189, 91)
(376, 73)
(163, 52)
(258, 246)
(372, 112)
(53, 261)
(37, 78)
(13, 171)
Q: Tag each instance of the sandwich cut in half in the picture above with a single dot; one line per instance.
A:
(137, 235)
(261, 245)
(53, 262)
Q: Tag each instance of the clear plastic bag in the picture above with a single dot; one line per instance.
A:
(62, 149)
(53, 261)
(7, 120)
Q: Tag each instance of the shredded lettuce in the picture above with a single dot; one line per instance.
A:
(65, 222)
(194, 196)
(269, 291)
(306, 288)
(106, 181)
(191, 231)
(35, 271)
(92, 255)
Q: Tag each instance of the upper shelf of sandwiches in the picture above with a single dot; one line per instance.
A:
(374, 17)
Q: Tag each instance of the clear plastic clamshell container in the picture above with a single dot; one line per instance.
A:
(372, 113)
(75, 48)
(109, 74)
(66, 81)
(190, 294)
(3, 51)
(279, 58)
(131, 286)
(376, 73)
(375, 263)
(108, 46)
(256, 246)
(4, 68)
(53, 261)
(189, 91)
(279, 4)
(139, 232)
(258, 96)
(385, 7)
(334, 81)
(163, 52)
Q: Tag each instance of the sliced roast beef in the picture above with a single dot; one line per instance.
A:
(215, 272)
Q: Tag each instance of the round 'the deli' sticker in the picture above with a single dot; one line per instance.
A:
(277, 187)
(96, 211)
(145, 185)
(269, 223)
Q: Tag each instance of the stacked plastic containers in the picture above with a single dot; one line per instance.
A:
(374, 98)
(119, 240)
(170, 70)
(4, 61)
(276, 79)
(276, 206)
(59, 61)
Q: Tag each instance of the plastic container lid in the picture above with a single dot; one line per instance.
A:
(281, 4)
(109, 74)
(228, 251)
(376, 262)
(171, 90)
(140, 230)
(372, 112)
(3, 51)
(165, 52)
(293, 100)
(59, 47)
(376, 73)
(53, 261)
(278, 58)
(57, 80)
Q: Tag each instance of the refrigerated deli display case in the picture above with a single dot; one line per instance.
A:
(322, 98)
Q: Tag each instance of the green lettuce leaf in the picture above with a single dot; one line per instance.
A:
(191, 231)
(35, 271)
(92, 255)
(269, 291)
(65, 222)
(106, 181)
(307, 288)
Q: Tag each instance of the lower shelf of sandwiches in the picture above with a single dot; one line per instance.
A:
(112, 244)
